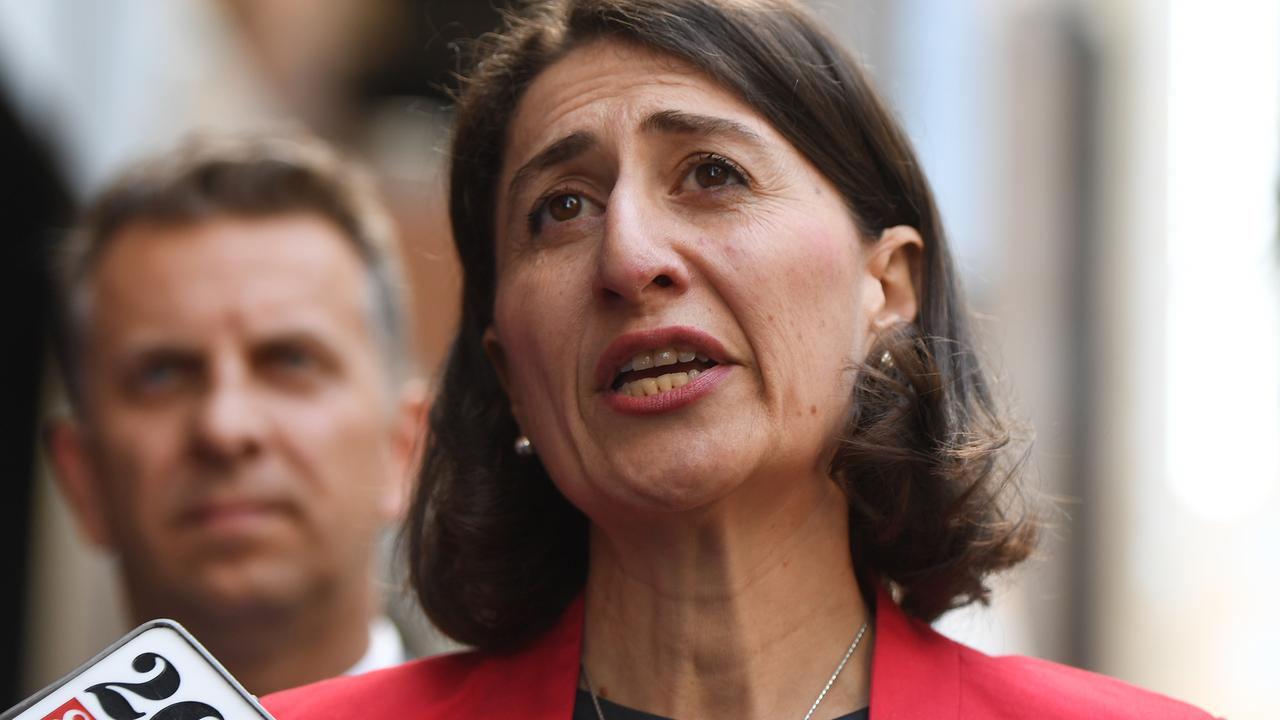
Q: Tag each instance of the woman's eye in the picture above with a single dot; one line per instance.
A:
(713, 173)
(564, 207)
(558, 208)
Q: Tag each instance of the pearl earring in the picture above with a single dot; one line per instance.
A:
(523, 447)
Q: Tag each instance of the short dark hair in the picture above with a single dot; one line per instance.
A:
(496, 552)
(253, 175)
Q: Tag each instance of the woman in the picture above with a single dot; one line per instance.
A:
(711, 441)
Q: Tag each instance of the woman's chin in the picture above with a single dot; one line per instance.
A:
(663, 471)
(656, 489)
(676, 498)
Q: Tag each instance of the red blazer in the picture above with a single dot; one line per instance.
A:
(915, 674)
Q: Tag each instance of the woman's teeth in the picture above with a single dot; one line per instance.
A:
(656, 382)
(659, 358)
(657, 385)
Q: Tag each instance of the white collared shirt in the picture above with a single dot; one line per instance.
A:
(385, 648)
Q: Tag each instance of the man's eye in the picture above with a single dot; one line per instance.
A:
(559, 208)
(713, 172)
(160, 376)
(289, 358)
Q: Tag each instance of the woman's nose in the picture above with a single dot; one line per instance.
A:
(639, 259)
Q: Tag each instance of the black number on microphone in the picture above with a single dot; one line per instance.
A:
(159, 687)
(189, 710)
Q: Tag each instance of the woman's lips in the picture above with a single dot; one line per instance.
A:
(674, 398)
(659, 370)
(661, 346)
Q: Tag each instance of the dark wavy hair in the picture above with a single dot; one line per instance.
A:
(495, 551)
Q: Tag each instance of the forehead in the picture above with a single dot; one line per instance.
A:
(247, 274)
(608, 87)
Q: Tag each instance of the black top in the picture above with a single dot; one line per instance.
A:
(583, 710)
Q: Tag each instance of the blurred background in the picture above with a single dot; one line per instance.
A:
(1108, 170)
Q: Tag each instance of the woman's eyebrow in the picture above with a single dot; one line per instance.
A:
(679, 122)
(560, 151)
(676, 122)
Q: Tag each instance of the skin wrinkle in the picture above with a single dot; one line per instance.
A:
(558, 153)
(672, 122)
(583, 97)
(720, 647)
(752, 573)
(677, 122)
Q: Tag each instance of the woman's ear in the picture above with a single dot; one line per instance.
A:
(894, 268)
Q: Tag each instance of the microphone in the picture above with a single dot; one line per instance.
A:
(158, 671)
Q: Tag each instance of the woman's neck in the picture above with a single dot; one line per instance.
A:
(708, 616)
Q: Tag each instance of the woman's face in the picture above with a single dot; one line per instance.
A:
(682, 297)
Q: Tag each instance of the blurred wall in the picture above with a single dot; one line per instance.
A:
(1189, 417)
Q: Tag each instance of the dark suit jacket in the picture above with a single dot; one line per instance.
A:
(916, 674)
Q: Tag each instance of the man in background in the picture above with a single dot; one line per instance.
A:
(244, 422)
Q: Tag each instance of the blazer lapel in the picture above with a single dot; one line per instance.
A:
(915, 672)
(539, 681)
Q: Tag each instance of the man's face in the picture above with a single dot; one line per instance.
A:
(239, 449)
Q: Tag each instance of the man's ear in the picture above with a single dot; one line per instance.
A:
(81, 485)
(894, 267)
(409, 434)
(498, 358)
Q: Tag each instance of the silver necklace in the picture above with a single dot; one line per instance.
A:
(857, 639)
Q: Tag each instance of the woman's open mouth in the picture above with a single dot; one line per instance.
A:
(655, 371)
(658, 371)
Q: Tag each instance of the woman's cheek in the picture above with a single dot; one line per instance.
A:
(800, 303)
(531, 313)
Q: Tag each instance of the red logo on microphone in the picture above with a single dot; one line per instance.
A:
(70, 710)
